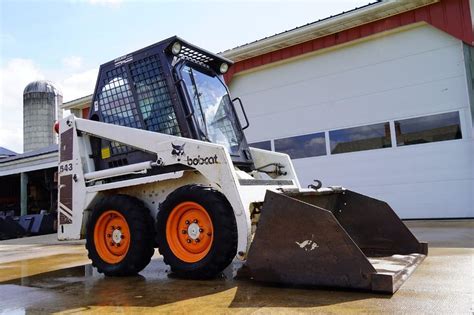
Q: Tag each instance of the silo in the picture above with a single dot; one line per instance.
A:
(41, 108)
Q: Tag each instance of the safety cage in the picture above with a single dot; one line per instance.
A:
(140, 90)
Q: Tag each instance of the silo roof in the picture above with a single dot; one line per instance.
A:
(42, 86)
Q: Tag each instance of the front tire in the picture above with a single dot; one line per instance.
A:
(196, 232)
(119, 236)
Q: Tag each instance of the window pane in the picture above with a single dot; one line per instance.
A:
(428, 129)
(264, 145)
(213, 108)
(302, 146)
(360, 138)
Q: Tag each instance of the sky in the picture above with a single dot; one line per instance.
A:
(65, 41)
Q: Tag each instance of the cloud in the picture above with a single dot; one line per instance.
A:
(73, 62)
(14, 76)
(79, 84)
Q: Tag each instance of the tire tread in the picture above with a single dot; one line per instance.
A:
(141, 226)
(224, 249)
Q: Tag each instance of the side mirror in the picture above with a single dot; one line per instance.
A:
(247, 124)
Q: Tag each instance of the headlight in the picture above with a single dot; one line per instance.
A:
(223, 68)
(176, 48)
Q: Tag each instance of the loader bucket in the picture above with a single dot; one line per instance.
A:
(335, 238)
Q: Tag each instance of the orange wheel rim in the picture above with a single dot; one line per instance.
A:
(112, 236)
(189, 232)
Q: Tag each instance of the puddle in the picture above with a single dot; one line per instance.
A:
(82, 286)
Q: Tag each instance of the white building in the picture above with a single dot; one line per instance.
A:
(379, 99)
(370, 113)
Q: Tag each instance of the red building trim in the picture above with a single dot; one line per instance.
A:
(450, 16)
(85, 112)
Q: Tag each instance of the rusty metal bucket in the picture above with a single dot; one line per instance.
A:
(335, 238)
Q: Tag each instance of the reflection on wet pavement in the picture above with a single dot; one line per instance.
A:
(29, 267)
(82, 289)
(37, 277)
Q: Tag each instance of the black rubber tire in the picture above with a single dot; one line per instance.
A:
(140, 223)
(224, 246)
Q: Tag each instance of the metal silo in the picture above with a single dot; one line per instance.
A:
(41, 108)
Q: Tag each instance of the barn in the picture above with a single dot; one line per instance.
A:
(378, 99)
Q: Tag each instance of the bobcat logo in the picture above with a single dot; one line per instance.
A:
(178, 150)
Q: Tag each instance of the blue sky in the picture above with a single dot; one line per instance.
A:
(66, 40)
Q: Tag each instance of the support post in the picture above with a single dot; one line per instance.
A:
(24, 193)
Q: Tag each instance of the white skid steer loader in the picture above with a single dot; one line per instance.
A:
(163, 162)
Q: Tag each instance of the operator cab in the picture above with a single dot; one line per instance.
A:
(170, 87)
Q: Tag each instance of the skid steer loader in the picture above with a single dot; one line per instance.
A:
(163, 162)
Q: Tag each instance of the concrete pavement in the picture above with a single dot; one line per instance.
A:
(37, 275)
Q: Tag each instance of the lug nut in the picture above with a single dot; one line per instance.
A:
(201, 230)
(119, 228)
(122, 236)
(113, 227)
(195, 221)
(197, 240)
(118, 244)
(109, 235)
(112, 243)
(187, 222)
(188, 240)
(184, 231)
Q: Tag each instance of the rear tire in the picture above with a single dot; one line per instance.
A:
(119, 237)
(196, 232)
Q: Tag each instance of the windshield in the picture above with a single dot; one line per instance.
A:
(213, 109)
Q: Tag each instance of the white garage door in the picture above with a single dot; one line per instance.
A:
(388, 117)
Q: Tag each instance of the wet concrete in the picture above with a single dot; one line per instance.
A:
(442, 283)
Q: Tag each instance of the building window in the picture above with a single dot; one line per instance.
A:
(362, 138)
(264, 145)
(302, 146)
(426, 129)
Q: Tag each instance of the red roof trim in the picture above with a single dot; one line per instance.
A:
(450, 16)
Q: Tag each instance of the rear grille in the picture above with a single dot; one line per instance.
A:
(119, 162)
(153, 96)
(195, 56)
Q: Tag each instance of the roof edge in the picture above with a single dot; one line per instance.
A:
(326, 26)
(78, 103)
